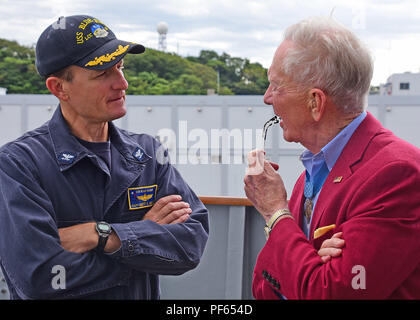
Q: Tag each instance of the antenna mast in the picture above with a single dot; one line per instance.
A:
(162, 29)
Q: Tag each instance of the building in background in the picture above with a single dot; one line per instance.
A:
(401, 84)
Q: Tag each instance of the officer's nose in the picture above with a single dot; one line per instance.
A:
(119, 83)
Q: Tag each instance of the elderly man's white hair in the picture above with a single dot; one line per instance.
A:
(329, 57)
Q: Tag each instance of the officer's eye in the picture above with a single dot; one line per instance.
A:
(100, 74)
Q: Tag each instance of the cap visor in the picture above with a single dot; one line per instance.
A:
(109, 54)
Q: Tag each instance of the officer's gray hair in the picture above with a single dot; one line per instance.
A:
(327, 56)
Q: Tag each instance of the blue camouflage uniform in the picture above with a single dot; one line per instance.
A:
(49, 180)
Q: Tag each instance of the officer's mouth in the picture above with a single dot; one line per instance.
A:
(120, 99)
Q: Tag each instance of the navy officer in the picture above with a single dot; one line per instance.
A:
(82, 196)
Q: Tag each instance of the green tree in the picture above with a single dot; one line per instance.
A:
(187, 84)
(17, 69)
(239, 75)
(151, 73)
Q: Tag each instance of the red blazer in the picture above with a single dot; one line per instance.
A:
(372, 195)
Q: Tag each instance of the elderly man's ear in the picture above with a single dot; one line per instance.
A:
(317, 103)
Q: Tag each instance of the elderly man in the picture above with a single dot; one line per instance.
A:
(88, 210)
(351, 228)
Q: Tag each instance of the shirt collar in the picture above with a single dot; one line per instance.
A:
(68, 150)
(331, 151)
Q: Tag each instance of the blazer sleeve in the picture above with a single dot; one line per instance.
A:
(381, 231)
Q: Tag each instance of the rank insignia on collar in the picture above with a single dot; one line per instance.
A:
(66, 157)
(338, 179)
(141, 197)
(138, 154)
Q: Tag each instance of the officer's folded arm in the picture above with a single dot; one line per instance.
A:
(171, 237)
(164, 248)
(138, 244)
(83, 237)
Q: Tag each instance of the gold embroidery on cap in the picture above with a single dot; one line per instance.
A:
(79, 37)
(108, 57)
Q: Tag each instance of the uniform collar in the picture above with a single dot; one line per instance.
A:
(68, 150)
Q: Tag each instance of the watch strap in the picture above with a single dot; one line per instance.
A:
(102, 242)
(276, 215)
(103, 235)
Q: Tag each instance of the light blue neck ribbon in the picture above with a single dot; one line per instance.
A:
(312, 188)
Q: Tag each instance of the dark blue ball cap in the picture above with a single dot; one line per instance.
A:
(80, 40)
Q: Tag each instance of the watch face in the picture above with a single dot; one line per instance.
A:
(103, 227)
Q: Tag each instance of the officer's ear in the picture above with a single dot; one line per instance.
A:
(56, 83)
(55, 86)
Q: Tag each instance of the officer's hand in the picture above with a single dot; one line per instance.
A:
(79, 238)
(169, 209)
(331, 248)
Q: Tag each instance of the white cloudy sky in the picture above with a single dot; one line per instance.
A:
(242, 28)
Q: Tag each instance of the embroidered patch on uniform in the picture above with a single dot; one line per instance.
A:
(141, 197)
(138, 154)
(66, 157)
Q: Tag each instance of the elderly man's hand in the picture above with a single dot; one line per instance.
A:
(331, 248)
(263, 185)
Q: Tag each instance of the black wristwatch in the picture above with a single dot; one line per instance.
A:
(104, 230)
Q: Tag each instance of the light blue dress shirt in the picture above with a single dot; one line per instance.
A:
(329, 154)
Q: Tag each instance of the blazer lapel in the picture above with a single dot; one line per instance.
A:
(352, 154)
(297, 200)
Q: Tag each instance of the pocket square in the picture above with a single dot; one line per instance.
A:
(321, 231)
